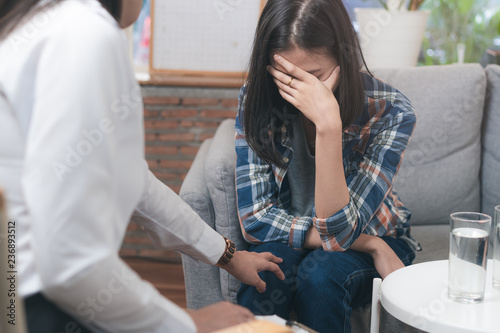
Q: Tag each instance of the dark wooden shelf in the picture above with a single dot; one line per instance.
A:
(163, 79)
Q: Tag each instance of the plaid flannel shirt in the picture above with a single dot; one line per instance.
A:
(373, 147)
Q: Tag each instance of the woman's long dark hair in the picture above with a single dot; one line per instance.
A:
(312, 25)
(14, 12)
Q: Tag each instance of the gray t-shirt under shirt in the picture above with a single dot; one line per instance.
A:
(301, 172)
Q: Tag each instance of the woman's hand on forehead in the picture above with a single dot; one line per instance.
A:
(313, 97)
(287, 67)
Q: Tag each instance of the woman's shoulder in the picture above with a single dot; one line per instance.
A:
(377, 88)
(380, 93)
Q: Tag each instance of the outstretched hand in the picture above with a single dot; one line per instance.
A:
(313, 97)
(245, 266)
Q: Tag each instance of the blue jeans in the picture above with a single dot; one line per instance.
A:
(320, 287)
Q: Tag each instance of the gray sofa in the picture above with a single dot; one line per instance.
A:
(452, 164)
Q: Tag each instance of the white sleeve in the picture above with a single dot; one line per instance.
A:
(172, 224)
(76, 200)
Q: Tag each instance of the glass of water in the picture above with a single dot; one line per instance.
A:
(468, 249)
(496, 249)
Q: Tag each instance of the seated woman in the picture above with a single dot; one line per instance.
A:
(319, 143)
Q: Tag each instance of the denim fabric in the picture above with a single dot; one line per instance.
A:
(43, 316)
(321, 287)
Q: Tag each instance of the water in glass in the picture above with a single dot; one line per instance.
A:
(467, 266)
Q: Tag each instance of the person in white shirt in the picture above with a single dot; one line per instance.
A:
(73, 170)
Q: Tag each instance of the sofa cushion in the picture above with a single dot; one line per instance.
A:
(219, 175)
(435, 242)
(491, 143)
(440, 171)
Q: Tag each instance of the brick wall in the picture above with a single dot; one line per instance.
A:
(176, 121)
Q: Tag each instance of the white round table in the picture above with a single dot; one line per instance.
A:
(418, 296)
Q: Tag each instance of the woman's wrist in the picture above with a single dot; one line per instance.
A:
(312, 239)
(375, 245)
(329, 127)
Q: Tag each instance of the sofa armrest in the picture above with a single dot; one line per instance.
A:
(220, 168)
(220, 176)
(202, 280)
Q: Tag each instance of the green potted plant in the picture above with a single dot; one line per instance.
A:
(473, 24)
(392, 36)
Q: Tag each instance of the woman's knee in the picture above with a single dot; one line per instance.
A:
(291, 258)
(321, 269)
(279, 293)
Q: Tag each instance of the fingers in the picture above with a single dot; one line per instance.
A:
(285, 90)
(286, 83)
(259, 284)
(233, 314)
(277, 271)
(279, 76)
(284, 87)
(244, 312)
(333, 80)
(271, 257)
(290, 68)
(288, 97)
(272, 265)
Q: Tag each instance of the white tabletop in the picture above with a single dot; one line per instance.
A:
(418, 296)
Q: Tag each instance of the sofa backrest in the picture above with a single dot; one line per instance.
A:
(440, 172)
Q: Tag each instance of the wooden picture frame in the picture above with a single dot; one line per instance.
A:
(173, 75)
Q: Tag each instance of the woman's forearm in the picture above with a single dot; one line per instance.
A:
(364, 243)
(367, 244)
(331, 192)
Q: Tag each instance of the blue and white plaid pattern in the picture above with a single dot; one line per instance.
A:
(373, 148)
